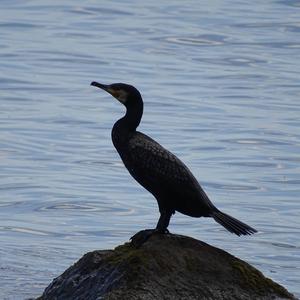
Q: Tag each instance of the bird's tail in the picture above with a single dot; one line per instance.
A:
(231, 224)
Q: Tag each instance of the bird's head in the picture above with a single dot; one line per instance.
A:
(125, 93)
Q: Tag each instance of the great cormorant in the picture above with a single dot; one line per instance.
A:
(159, 171)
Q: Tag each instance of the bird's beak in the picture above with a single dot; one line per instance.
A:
(106, 88)
(99, 85)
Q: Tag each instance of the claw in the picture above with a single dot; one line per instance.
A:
(141, 237)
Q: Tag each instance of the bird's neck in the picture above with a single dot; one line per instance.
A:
(127, 125)
(132, 118)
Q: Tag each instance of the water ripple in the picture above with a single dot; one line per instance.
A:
(23, 230)
(232, 187)
(86, 206)
(201, 40)
(255, 141)
(18, 25)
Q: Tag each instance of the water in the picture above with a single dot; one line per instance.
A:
(220, 81)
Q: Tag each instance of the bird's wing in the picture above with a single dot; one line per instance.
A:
(149, 159)
(163, 174)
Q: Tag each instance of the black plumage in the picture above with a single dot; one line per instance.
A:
(158, 170)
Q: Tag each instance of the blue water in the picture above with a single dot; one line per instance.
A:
(220, 81)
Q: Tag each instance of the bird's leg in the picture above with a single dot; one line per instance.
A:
(163, 222)
(142, 236)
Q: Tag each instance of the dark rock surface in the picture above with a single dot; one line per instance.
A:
(165, 267)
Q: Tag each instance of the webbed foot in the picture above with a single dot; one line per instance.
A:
(142, 236)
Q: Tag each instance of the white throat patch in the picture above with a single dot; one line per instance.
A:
(122, 96)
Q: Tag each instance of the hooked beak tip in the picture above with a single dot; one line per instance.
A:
(94, 83)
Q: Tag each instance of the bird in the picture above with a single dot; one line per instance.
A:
(159, 171)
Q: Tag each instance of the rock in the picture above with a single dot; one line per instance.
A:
(165, 267)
